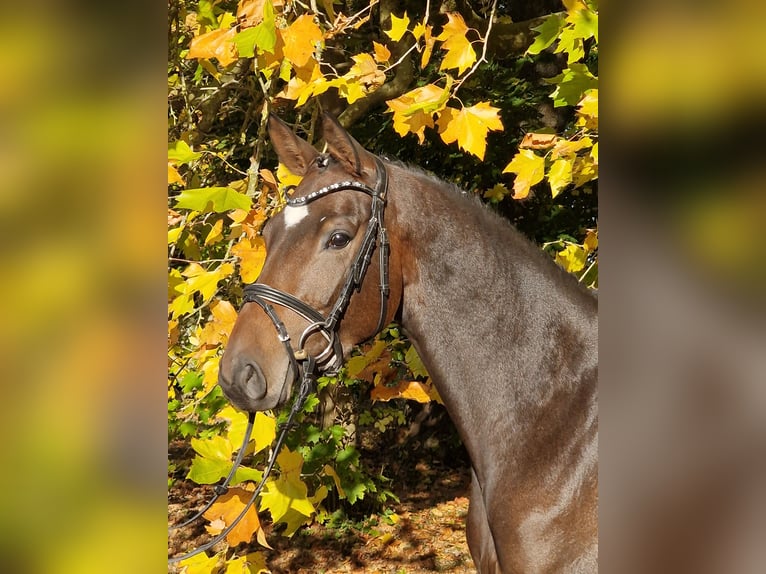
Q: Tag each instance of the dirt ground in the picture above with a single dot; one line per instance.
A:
(426, 535)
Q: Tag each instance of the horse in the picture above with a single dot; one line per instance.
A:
(508, 337)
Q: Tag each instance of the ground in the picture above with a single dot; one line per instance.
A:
(425, 534)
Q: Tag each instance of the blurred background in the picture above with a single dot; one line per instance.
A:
(83, 294)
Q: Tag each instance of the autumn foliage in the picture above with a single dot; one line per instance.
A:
(230, 64)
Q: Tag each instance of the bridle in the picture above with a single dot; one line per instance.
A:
(331, 358)
(304, 365)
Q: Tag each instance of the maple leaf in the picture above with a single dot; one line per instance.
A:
(217, 44)
(572, 258)
(252, 255)
(216, 330)
(215, 234)
(497, 193)
(253, 563)
(571, 84)
(587, 110)
(560, 175)
(382, 54)
(591, 240)
(365, 71)
(217, 199)
(286, 498)
(569, 148)
(206, 282)
(469, 126)
(529, 169)
(413, 111)
(174, 176)
(413, 390)
(226, 509)
(460, 52)
(199, 564)
(428, 47)
(547, 33)
(398, 27)
(301, 39)
(250, 12)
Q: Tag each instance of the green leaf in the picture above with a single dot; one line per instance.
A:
(415, 363)
(585, 23)
(570, 44)
(214, 448)
(548, 31)
(208, 471)
(217, 199)
(180, 152)
(244, 473)
(571, 84)
(263, 36)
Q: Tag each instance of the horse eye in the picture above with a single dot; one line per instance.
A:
(338, 240)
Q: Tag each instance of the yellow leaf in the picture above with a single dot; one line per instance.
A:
(398, 27)
(569, 148)
(460, 52)
(215, 234)
(594, 153)
(382, 54)
(560, 175)
(227, 508)
(572, 258)
(252, 255)
(352, 91)
(413, 390)
(330, 471)
(584, 170)
(591, 240)
(206, 282)
(199, 564)
(469, 127)
(173, 234)
(253, 563)
(216, 331)
(529, 169)
(413, 111)
(286, 178)
(216, 44)
(174, 176)
(301, 39)
(497, 193)
(286, 498)
(427, 48)
(587, 110)
(365, 71)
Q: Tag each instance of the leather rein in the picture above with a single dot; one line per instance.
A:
(304, 365)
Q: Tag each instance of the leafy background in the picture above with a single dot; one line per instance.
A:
(502, 102)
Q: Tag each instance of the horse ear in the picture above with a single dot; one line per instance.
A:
(295, 153)
(344, 148)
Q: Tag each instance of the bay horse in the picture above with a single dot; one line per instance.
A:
(509, 338)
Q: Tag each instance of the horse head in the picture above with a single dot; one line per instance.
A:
(314, 253)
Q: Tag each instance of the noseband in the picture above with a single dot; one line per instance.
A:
(331, 358)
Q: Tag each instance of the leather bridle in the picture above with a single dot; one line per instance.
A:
(330, 359)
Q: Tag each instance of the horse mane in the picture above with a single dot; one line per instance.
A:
(492, 220)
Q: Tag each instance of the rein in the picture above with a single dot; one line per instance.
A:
(331, 358)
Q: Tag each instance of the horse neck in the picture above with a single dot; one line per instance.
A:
(493, 319)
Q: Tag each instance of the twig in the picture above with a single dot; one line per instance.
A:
(483, 57)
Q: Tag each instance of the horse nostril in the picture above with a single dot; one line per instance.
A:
(251, 380)
(242, 381)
